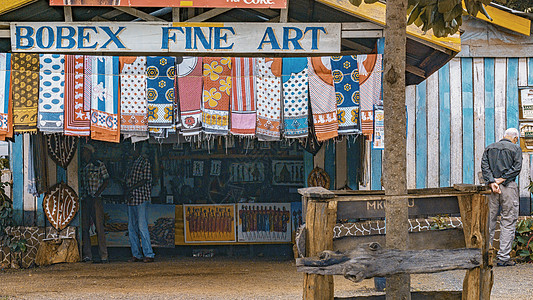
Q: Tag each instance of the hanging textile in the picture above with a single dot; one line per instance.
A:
(346, 83)
(268, 84)
(39, 147)
(370, 69)
(295, 97)
(322, 93)
(77, 121)
(216, 95)
(25, 91)
(32, 184)
(160, 92)
(104, 95)
(6, 127)
(243, 96)
(51, 92)
(133, 103)
(189, 72)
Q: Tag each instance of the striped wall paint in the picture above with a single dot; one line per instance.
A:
(455, 113)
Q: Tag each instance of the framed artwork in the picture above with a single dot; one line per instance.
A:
(264, 222)
(216, 166)
(288, 172)
(526, 136)
(209, 223)
(198, 168)
(247, 172)
(161, 223)
(526, 102)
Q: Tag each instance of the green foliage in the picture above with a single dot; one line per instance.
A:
(443, 16)
(521, 5)
(440, 222)
(523, 242)
(6, 220)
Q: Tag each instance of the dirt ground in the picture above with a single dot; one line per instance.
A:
(216, 278)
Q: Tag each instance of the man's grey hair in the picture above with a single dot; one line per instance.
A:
(511, 132)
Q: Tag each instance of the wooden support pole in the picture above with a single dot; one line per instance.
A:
(176, 14)
(395, 172)
(320, 219)
(284, 14)
(474, 215)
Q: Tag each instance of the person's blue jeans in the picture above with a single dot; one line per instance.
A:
(138, 228)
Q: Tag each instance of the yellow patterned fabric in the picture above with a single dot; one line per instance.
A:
(25, 91)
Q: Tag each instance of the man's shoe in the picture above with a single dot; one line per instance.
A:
(507, 263)
(87, 259)
(148, 259)
(135, 259)
(104, 261)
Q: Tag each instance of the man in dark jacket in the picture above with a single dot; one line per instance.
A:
(501, 164)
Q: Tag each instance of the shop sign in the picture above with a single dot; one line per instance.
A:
(219, 38)
(176, 3)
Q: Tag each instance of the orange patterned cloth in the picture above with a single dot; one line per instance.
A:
(77, 121)
(25, 91)
(323, 101)
(216, 96)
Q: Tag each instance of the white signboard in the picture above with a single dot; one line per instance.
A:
(526, 97)
(147, 37)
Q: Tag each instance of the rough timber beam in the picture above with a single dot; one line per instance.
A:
(209, 14)
(139, 14)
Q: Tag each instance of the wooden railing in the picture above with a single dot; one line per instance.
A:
(362, 257)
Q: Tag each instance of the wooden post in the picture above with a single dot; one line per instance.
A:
(474, 215)
(395, 157)
(320, 219)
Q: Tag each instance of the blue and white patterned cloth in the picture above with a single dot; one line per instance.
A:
(346, 82)
(51, 92)
(295, 96)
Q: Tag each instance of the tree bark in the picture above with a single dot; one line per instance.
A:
(394, 175)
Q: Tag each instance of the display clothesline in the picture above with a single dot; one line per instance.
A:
(268, 98)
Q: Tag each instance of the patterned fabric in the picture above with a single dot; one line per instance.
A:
(25, 91)
(189, 72)
(216, 96)
(140, 170)
(51, 92)
(77, 120)
(243, 96)
(370, 69)
(322, 94)
(133, 103)
(5, 103)
(268, 82)
(346, 82)
(93, 176)
(295, 96)
(160, 91)
(104, 95)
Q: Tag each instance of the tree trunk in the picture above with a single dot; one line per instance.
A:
(394, 175)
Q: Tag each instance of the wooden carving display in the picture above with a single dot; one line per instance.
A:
(60, 205)
(62, 148)
(318, 177)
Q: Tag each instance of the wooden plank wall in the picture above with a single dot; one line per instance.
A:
(28, 209)
(452, 116)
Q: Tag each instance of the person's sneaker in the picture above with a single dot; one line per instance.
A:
(87, 259)
(507, 263)
(148, 259)
(135, 259)
(104, 261)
